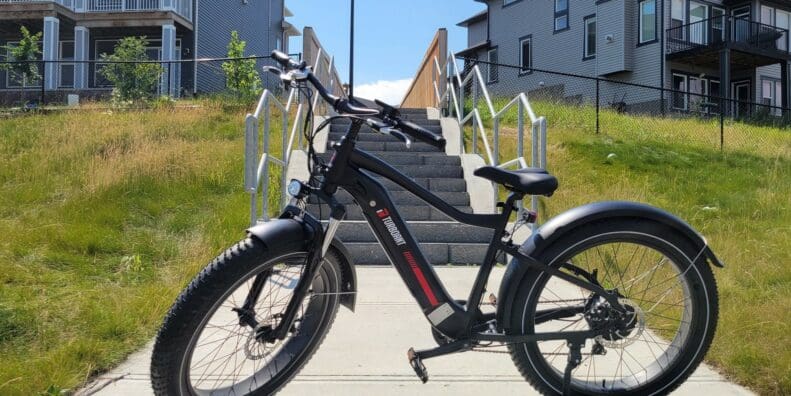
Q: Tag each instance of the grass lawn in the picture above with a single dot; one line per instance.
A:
(105, 216)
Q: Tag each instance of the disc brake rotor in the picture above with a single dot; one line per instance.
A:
(625, 337)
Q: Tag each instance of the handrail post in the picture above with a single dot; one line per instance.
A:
(496, 159)
(265, 167)
(474, 108)
(250, 161)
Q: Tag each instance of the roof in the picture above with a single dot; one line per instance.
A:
(475, 18)
(473, 49)
(290, 30)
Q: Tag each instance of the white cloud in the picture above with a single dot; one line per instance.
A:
(388, 91)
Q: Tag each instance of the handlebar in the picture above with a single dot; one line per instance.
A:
(344, 106)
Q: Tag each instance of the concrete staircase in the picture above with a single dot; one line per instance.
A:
(443, 240)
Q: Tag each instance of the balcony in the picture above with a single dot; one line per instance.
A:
(754, 44)
(180, 7)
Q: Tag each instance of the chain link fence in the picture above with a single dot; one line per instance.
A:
(583, 104)
(56, 80)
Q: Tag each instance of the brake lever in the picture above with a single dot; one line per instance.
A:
(386, 129)
(398, 135)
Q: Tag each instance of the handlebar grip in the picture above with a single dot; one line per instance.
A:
(343, 106)
(286, 61)
(422, 134)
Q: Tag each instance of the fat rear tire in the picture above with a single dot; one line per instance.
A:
(533, 365)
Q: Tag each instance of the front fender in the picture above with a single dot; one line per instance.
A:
(295, 234)
(579, 216)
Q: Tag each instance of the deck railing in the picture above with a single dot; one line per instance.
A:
(721, 30)
(181, 7)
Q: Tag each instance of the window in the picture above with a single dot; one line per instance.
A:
(492, 72)
(647, 21)
(561, 15)
(777, 18)
(680, 98)
(66, 70)
(772, 94)
(590, 37)
(526, 54)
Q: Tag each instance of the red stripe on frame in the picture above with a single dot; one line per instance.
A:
(421, 279)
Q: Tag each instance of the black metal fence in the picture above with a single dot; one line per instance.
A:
(600, 105)
(178, 78)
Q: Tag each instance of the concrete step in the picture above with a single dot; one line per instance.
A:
(423, 231)
(341, 129)
(436, 253)
(431, 184)
(365, 137)
(420, 120)
(407, 212)
(412, 110)
(455, 198)
(397, 147)
(408, 158)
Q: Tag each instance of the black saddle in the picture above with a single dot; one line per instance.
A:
(530, 181)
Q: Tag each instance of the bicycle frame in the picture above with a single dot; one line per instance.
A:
(349, 169)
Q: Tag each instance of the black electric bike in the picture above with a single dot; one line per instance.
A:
(607, 298)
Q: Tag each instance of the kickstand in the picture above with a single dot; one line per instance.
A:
(575, 358)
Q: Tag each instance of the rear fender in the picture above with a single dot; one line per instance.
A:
(556, 227)
(295, 234)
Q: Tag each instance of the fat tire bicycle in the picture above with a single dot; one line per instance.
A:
(610, 298)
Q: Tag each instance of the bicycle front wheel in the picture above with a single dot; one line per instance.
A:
(206, 345)
(669, 294)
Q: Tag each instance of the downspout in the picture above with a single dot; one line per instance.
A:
(662, 65)
(488, 21)
(195, 48)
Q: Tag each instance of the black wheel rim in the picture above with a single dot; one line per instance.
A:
(224, 358)
(655, 277)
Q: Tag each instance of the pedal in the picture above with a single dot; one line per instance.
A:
(417, 365)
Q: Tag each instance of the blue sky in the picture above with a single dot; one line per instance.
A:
(391, 37)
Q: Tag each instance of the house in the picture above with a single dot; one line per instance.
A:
(691, 46)
(82, 30)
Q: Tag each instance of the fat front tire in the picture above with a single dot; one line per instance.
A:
(202, 348)
(666, 286)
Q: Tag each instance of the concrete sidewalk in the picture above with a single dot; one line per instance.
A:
(365, 352)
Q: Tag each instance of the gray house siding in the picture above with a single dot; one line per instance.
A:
(476, 32)
(620, 56)
(215, 22)
(561, 51)
(620, 59)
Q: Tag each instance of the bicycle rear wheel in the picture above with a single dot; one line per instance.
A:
(203, 346)
(671, 301)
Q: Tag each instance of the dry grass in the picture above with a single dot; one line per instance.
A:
(105, 216)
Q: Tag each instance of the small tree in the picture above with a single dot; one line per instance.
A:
(132, 82)
(25, 56)
(241, 76)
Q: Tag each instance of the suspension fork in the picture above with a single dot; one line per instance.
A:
(315, 259)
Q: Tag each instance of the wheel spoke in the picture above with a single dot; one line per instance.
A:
(652, 283)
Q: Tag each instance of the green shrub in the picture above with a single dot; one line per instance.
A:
(133, 83)
(241, 77)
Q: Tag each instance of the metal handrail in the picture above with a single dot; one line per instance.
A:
(257, 153)
(492, 152)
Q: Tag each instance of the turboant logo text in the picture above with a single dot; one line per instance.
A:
(391, 227)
